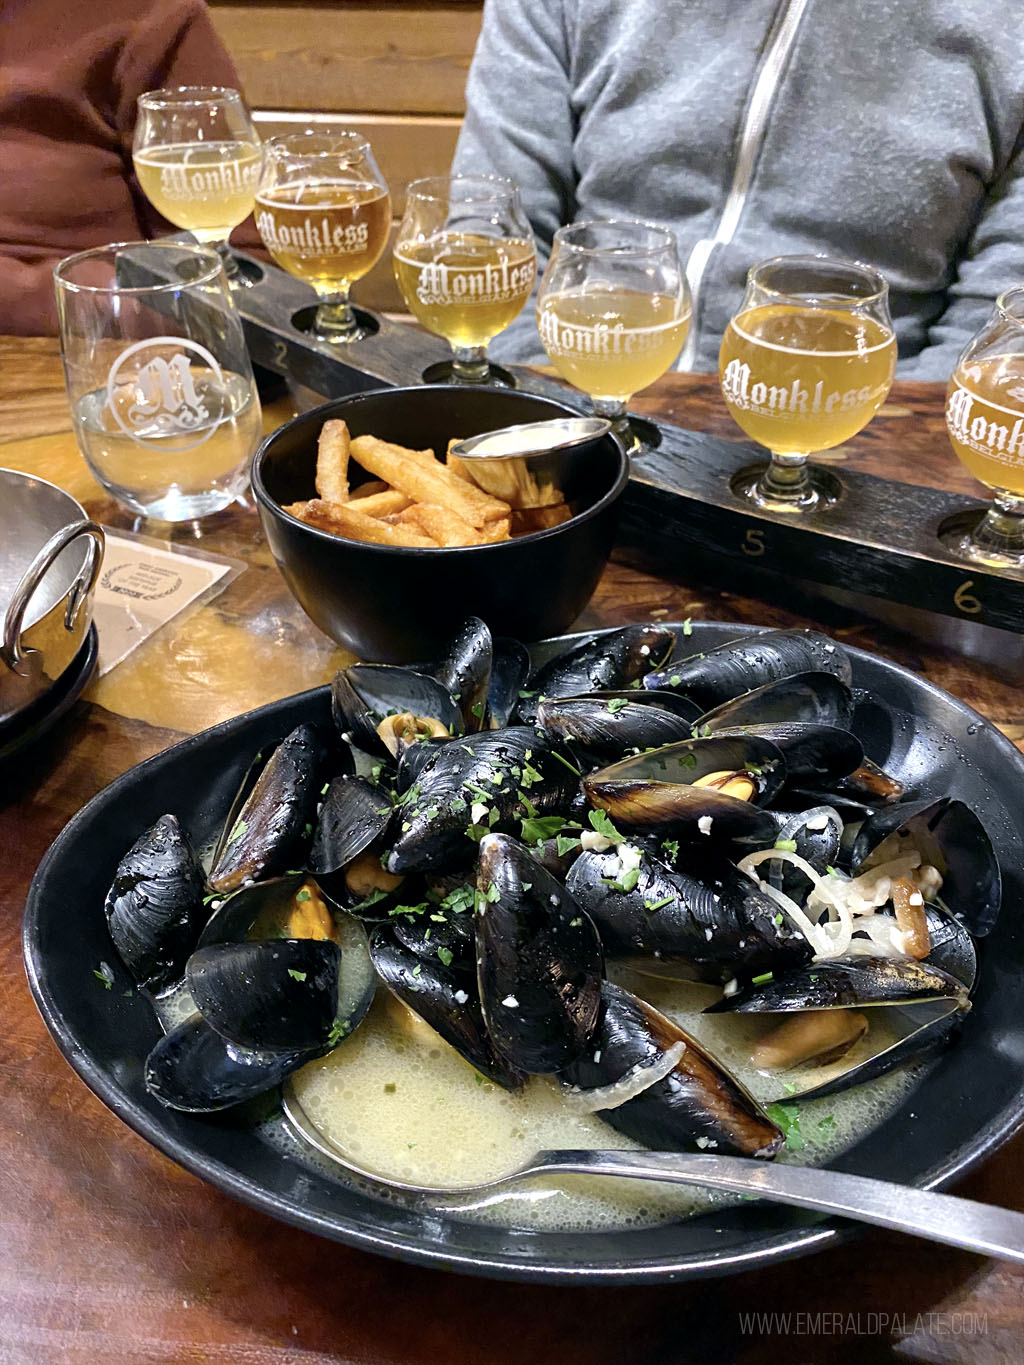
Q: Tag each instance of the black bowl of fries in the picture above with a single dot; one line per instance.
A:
(388, 545)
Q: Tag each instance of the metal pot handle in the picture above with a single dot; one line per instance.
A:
(11, 649)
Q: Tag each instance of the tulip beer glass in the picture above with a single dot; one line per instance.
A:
(158, 376)
(613, 311)
(465, 262)
(805, 363)
(985, 420)
(197, 157)
(324, 211)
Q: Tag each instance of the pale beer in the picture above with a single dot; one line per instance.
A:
(328, 233)
(206, 188)
(803, 378)
(985, 420)
(612, 342)
(465, 287)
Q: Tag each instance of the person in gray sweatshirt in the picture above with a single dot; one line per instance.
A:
(889, 131)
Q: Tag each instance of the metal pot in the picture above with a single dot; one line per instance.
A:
(50, 556)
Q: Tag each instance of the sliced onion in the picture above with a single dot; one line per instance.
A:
(636, 1080)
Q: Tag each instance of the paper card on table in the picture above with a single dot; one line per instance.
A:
(144, 584)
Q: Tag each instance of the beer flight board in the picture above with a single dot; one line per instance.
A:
(880, 537)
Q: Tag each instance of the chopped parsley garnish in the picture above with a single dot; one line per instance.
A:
(779, 918)
(540, 827)
(389, 1087)
(565, 843)
(786, 845)
(339, 1029)
(563, 760)
(658, 905)
(675, 680)
(762, 979)
(477, 709)
(688, 760)
(445, 955)
(687, 627)
(626, 883)
(525, 696)
(296, 976)
(104, 974)
(754, 771)
(476, 1074)
(602, 824)
(530, 775)
(787, 1116)
(410, 910)
(616, 704)
(239, 829)
(302, 895)
(671, 847)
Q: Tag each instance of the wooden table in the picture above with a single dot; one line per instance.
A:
(110, 1253)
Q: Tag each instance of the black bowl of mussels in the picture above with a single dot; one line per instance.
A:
(725, 890)
(394, 603)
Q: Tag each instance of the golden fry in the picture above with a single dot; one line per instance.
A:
(529, 519)
(367, 489)
(384, 504)
(332, 454)
(344, 520)
(444, 525)
(427, 481)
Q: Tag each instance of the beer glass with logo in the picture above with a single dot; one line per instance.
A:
(985, 420)
(805, 363)
(613, 311)
(197, 157)
(324, 211)
(465, 261)
(158, 377)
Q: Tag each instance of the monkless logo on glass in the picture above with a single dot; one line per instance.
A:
(152, 393)
(771, 400)
(494, 282)
(180, 181)
(999, 435)
(313, 237)
(601, 339)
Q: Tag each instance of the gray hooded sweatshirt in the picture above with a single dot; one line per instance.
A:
(890, 131)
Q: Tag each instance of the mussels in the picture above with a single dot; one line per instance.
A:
(610, 660)
(696, 1106)
(155, 907)
(749, 662)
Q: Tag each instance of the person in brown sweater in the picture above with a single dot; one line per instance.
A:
(69, 79)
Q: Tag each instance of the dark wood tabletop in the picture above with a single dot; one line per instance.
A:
(111, 1253)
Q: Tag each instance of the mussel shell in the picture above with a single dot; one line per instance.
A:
(950, 836)
(270, 833)
(813, 698)
(606, 661)
(654, 792)
(195, 1069)
(413, 758)
(819, 846)
(425, 934)
(434, 826)
(154, 907)
(465, 672)
(609, 725)
(278, 995)
(931, 1002)
(234, 916)
(698, 1105)
(355, 813)
(817, 753)
(539, 960)
(708, 927)
(364, 694)
(858, 795)
(445, 997)
(749, 662)
(509, 670)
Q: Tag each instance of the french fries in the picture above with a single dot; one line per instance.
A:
(414, 499)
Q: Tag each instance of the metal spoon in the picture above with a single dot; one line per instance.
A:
(982, 1228)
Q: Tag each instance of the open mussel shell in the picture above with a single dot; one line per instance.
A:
(465, 672)
(813, 753)
(365, 694)
(813, 698)
(490, 771)
(154, 907)
(277, 994)
(444, 995)
(608, 725)
(270, 832)
(817, 833)
(858, 795)
(709, 927)
(664, 791)
(696, 1106)
(950, 837)
(196, 1069)
(749, 662)
(608, 661)
(539, 960)
(268, 902)
(354, 814)
(921, 1004)
(509, 670)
